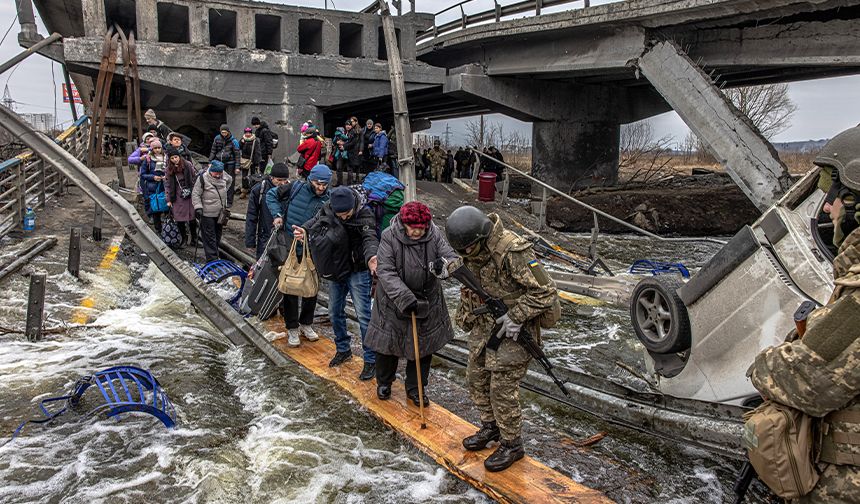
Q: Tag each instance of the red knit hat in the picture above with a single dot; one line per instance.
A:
(415, 214)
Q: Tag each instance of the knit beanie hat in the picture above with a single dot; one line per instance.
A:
(149, 114)
(171, 151)
(342, 199)
(154, 143)
(320, 173)
(216, 166)
(280, 170)
(415, 214)
(224, 127)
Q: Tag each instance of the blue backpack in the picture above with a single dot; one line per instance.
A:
(379, 186)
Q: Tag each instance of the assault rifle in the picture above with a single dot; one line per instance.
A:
(497, 308)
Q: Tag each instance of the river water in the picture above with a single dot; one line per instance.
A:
(250, 433)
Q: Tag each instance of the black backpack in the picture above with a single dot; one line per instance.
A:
(330, 250)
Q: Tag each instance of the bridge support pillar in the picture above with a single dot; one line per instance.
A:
(570, 153)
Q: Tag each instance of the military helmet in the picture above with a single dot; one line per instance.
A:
(842, 152)
(466, 226)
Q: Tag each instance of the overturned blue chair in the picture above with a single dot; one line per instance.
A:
(219, 270)
(647, 266)
(124, 389)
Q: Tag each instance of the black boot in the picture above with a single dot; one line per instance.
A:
(367, 372)
(339, 358)
(383, 392)
(413, 395)
(505, 455)
(479, 440)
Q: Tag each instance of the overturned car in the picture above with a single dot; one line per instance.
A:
(701, 336)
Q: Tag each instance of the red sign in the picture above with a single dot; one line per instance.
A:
(75, 94)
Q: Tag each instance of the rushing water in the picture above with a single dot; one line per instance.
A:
(248, 432)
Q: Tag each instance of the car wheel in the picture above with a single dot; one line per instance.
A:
(659, 316)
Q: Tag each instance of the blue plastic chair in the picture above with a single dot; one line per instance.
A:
(220, 269)
(124, 389)
(647, 266)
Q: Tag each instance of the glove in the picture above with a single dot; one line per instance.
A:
(509, 328)
(198, 213)
(439, 268)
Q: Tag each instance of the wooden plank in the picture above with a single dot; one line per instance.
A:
(526, 481)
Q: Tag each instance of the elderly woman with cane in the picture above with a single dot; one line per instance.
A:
(410, 316)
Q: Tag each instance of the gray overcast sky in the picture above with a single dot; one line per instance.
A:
(825, 106)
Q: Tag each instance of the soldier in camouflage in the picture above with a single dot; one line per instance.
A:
(819, 374)
(438, 158)
(506, 266)
(840, 202)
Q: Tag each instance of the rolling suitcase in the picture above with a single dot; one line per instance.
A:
(261, 296)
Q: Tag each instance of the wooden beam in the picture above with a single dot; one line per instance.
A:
(526, 481)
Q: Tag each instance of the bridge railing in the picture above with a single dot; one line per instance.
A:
(494, 15)
(26, 181)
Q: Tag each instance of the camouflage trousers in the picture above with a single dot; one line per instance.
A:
(436, 172)
(496, 393)
(839, 484)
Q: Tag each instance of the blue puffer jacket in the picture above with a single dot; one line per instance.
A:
(148, 185)
(297, 203)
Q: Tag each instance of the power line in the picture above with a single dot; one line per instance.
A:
(15, 20)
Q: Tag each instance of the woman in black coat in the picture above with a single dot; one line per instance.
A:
(407, 284)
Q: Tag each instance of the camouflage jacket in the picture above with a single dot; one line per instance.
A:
(820, 373)
(507, 269)
(437, 158)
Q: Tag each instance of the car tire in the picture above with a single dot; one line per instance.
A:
(659, 317)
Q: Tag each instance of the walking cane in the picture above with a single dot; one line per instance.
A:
(418, 369)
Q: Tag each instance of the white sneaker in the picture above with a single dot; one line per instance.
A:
(309, 333)
(293, 337)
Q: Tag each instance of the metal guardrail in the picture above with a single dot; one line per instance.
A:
(495, 15)
(546, 189)
(26, 181)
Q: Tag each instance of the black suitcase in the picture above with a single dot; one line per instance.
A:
(261, 296)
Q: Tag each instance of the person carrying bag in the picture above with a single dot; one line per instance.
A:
(298, 276)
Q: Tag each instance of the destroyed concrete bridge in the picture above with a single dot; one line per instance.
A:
(576, 75)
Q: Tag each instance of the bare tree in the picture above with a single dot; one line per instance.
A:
(642, 154)
(768, 107)
(474, 135)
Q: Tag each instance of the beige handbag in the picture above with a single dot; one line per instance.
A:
(299, 278)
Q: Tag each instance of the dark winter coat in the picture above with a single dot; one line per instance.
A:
(176, 180)
(250, 148)
(353, 147)
(404, 276)
(360, 231)
(225, 150)
(368, 135)
(258, 218)
(267, 145)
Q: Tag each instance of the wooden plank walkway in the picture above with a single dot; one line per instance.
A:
(527, 481)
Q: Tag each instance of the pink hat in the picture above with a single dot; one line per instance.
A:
(154, 142)
(304, 127)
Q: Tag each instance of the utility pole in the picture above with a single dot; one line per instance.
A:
(482, 133)
(8, 102)
(447, 135)
(401, 111)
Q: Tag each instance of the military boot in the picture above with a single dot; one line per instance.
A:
(479, 440)
(506, 454)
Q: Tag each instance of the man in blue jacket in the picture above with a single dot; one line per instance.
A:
(293, 205)
(258, 219)
(225, 148)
